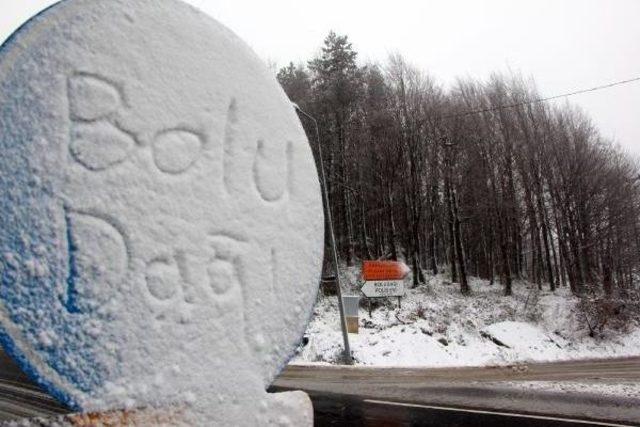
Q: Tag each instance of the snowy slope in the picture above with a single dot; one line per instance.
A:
(436, 326)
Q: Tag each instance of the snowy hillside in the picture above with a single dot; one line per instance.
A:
(436, 326)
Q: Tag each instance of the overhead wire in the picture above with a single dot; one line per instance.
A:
(540, 100)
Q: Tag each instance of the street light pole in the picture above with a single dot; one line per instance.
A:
(343, 323)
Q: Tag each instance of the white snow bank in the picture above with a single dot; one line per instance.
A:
(528, 340)
(437, 326)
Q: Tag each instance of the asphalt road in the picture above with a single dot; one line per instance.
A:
(345, 396)
(456, 390)
(627, 369)
(20, 398)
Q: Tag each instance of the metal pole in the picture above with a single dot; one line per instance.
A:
(325, 192)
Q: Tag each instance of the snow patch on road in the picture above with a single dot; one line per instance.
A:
(618, 389)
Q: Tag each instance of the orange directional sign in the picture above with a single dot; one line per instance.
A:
(384, 270)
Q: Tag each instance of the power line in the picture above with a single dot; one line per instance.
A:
(540, 100)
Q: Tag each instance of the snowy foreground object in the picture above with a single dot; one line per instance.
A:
(161, 224)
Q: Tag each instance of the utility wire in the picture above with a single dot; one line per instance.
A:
(540, 100)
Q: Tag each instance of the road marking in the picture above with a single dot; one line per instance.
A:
(505, 414)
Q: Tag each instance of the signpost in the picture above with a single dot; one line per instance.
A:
(383, 279)
(327, 207)
(383, 288)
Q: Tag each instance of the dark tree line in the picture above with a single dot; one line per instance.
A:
(476, 180)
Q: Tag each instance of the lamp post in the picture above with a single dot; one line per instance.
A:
(325, 192)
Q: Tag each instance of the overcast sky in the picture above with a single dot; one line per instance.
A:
(565, 45)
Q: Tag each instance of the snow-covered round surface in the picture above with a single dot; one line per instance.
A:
(161, 224)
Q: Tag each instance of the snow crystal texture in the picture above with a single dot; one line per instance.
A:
(161, 224)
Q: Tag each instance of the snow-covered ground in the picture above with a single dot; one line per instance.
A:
(436, 326)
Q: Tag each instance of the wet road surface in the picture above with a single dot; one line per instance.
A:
(340, 410)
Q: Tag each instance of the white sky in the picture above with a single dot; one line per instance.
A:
(565, 45)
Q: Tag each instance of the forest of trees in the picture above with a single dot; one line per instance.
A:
(478, 179)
